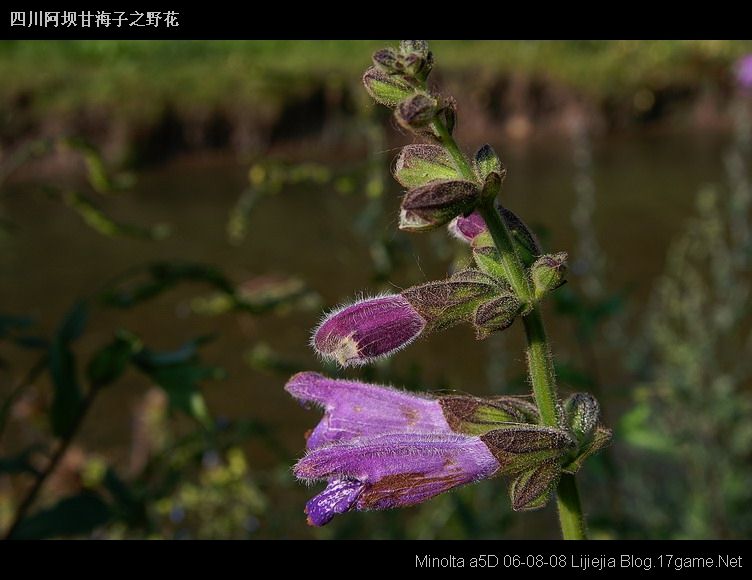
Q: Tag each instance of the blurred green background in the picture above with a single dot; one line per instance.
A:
(175, 216)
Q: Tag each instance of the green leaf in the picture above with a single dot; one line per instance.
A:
(73, 516)
(67, 396)
(106, 366)
(100, 222)
(386, 89)
(19, 463)
(181, 383)
(160, 277)
(74, 323)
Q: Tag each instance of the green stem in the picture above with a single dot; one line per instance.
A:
(570, 511)
(540, 361)
(541, 367)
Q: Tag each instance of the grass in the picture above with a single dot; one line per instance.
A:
(138, 79)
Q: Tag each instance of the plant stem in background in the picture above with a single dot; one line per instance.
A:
(31, 497)
(540, 362)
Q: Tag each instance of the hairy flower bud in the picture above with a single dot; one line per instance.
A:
(437, 203)
(388, 60)
(486, 161)
(416, 112)
(547, 273)
(532, 488)
(386, 89)
(476, 416)
(444, 303)
(581, 418)
(582, 413)
(419, 47)
(497, 314)
(519, 447)
(420, 164)
(367, 330)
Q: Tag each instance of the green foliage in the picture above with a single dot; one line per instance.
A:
(72, 516)
(67, 395)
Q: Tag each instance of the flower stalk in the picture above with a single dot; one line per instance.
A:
(379, 448)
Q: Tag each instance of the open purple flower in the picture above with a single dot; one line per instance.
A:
(367, 330)
(379, 447)
(393, 470)
(744, 72)
(354, 409)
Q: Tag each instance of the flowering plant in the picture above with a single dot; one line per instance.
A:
(379, 447)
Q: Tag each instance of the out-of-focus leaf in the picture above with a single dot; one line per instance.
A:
(147, 358)
(181, 383)
(10, 323)
(127, 507)
(634, 429)
(72, 516)
(180, 373)
(96, 219)
(67, 396)
(573, 377)
(106, 366)
(19, 463)
(160, 277)
(261, 357)
(74, 323)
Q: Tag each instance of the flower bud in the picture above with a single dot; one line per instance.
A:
(582, 413)
(448, 302)
(367, 330)
(419, 47)
(532, 488)
(416, 112)
(476, 416)
(601, 437)
(437, 203)
(519, 447)
(418, 165)
(497, 314)
(388, 60)
(548, 272)
(386, 89)
(486, 161)
(524, 238)
(467, 228)
(491, 186)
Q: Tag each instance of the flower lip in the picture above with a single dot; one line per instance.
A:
(354, 409)
(369, 329)
(393, 470)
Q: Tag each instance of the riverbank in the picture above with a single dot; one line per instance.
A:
(143, 102)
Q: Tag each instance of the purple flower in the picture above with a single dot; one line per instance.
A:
(467, 228)
(354, 409)
(379, 447)
(393, 470)
(744, 72)
(367, 330)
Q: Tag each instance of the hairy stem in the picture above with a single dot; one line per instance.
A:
(540, 361)
(570, 511)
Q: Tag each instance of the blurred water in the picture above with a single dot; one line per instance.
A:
(645, 188)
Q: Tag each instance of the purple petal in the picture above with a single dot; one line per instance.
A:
(744, 71)
(367, 330)
(467, 228)
(338, 497)
(354, 409)
(401, 469)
